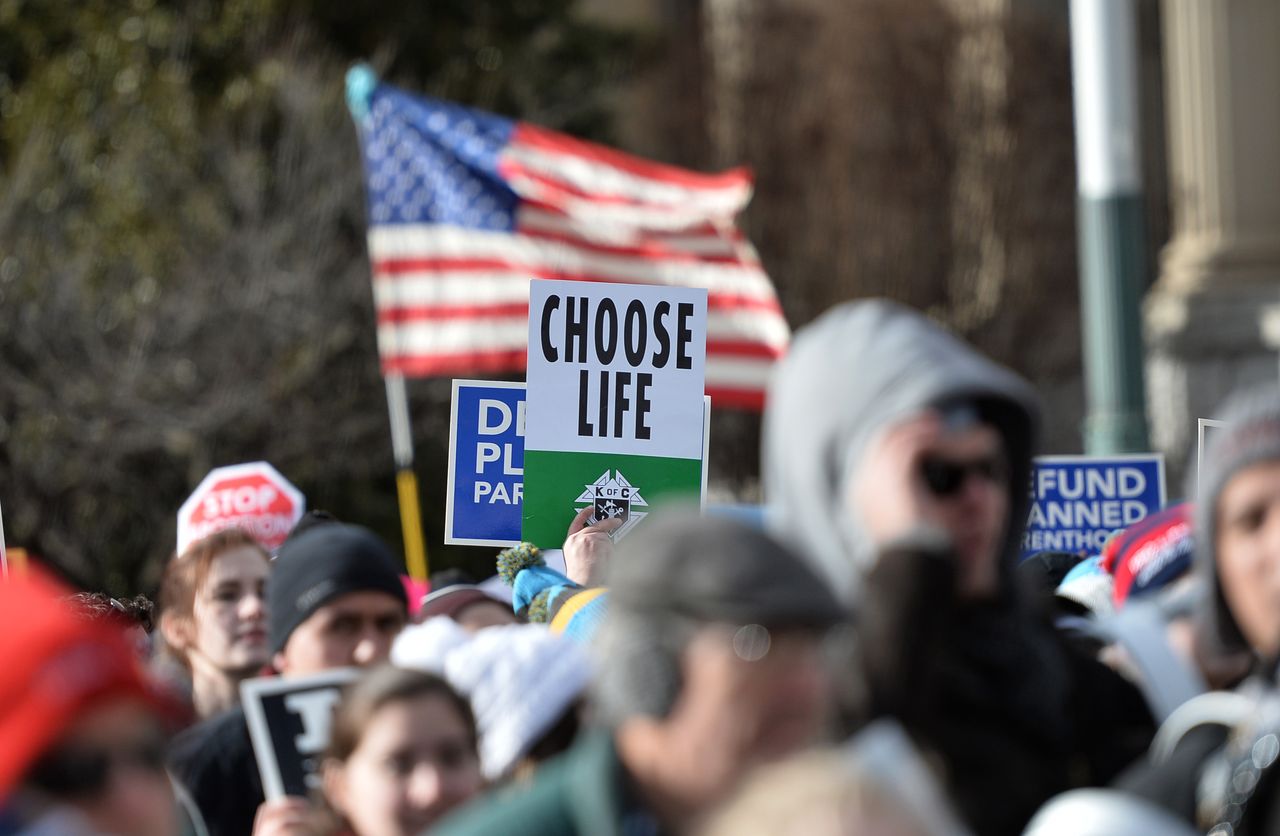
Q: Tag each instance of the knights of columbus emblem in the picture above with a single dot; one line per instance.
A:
(614, 498)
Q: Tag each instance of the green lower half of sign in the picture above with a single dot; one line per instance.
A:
(557, 484)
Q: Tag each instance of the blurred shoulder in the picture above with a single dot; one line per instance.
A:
(216, 739)
(542, 807)
(574, 794)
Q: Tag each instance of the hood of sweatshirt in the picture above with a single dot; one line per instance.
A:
(850, 374)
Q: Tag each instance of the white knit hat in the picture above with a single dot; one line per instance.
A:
(520, 679)
(424, 646)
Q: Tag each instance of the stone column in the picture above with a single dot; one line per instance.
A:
(1213, 318)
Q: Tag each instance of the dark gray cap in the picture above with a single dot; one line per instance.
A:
(716, 569)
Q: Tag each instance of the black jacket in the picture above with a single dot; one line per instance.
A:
(1014, 712)
(214, 760)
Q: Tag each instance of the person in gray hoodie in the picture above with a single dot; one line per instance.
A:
(897, 459)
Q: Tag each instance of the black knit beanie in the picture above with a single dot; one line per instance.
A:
(319, 565)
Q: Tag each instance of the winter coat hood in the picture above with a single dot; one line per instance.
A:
(850, 374)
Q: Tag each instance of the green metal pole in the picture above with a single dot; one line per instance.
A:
(1112, 237)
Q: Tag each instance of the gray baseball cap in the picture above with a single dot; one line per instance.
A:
(716, 569)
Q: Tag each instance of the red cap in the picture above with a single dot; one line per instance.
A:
(1150, 554)
(55, 665)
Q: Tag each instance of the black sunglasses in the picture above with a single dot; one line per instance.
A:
(945, 477)
(84, 772)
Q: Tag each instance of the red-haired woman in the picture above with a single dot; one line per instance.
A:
(213, 616)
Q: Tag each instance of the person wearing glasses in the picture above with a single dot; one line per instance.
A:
(897, 460)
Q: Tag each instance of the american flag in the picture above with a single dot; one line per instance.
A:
(466, 207)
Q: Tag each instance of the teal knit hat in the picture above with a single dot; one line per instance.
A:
(545, 596)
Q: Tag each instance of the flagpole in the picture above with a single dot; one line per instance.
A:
(415, 547)
(361, 80)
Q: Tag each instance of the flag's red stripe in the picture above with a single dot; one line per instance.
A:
(650, 250)
(744, 348)
(431, 264)
(417, 313)
(716, 301)
(558, 143)
(728, 231)
(750, 399)
(395, 266)
(553, 189)
(391, 269)
(715, 347)
(469, 362)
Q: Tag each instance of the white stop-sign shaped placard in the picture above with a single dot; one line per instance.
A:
(253, 497)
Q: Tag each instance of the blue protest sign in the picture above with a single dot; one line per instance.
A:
(486, 464)
(1077, 502)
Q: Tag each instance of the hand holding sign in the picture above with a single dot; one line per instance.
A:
(589, 547)
(286, 816)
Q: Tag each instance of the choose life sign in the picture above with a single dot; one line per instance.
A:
(614, 415)
(1078, 502)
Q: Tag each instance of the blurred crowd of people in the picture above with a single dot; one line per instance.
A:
(875, 660)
